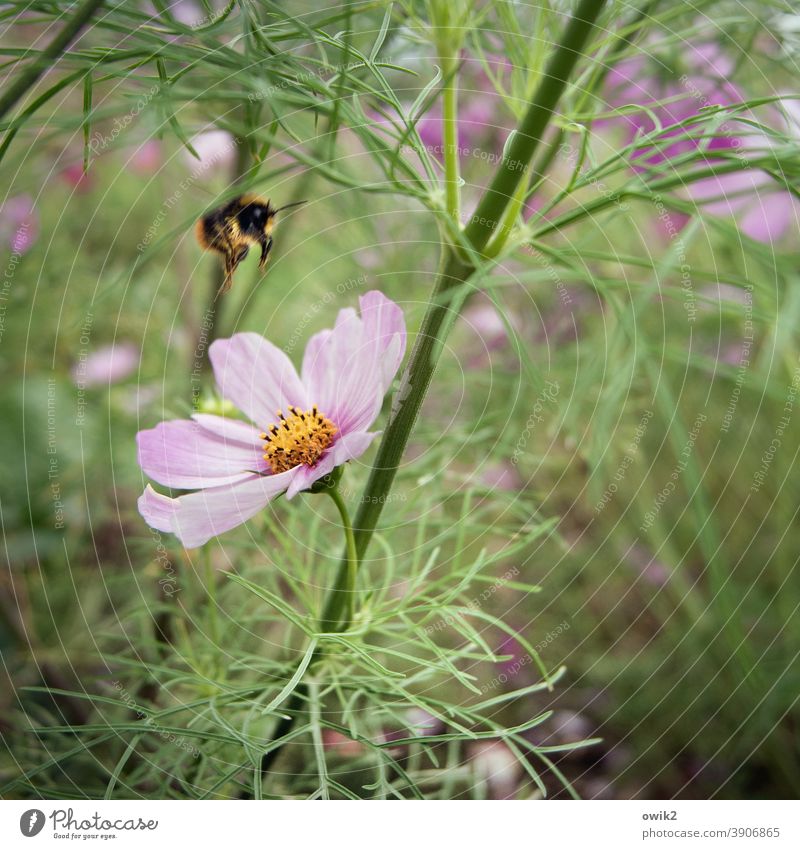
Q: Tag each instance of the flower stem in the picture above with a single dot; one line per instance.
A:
(509, 220)
(518, 155)
(452, 178)
(211, 600)
(351, 558)
(457, 269)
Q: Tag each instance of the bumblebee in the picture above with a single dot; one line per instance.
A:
(233, 228)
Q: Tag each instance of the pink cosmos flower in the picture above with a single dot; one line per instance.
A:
(74, 175)
(146, 158)
(306, 424)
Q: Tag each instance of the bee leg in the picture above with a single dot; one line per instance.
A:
(266, 247)
(227, 281)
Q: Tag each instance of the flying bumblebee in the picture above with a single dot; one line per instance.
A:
(231, 230)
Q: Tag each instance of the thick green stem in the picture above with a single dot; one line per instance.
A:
(27, 78)
(452, 177)
(509, 220)
(457, 269)
(346, 600)
(518, 155)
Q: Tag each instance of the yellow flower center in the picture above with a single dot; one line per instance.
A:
(299, 439)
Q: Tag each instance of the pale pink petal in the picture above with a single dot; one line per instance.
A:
(215, 148)
(186, 455)
(348, 370)
(312, 360)
(307, 476)
(351, 446)
(232, 430)
(345, 380)
(768, 217)
(197, 517)
(256, 376)
(384, 333)
(156, 509)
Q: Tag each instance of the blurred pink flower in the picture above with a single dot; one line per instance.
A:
(476, 123)
(339, 744)
(420, 724)
(517, 657)
(496, 765)
(646, 81)
(19, 223)
(763, 210)
(147, 157)
(485, 331)
(500, 476)
(214, 147)
(645, 564)
(482, 319)
(106, 365)
(568, 726)
(80, 180)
